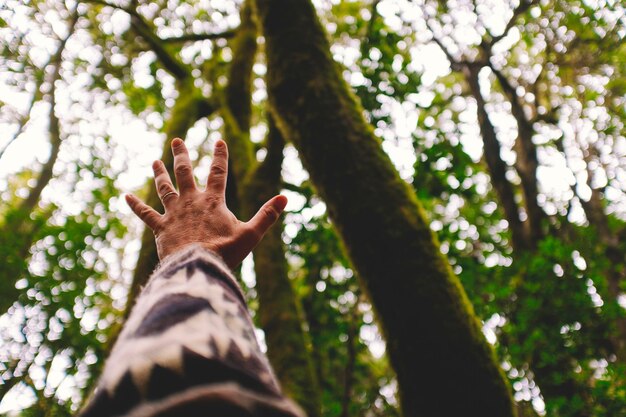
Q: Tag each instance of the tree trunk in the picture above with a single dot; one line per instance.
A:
(434, 341)
(279, 314)
(527, 162)
(188, 108)
(497, 167)
(19, 232)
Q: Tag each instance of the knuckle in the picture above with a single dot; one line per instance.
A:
(222, 152)
(271, 213)
(183, 169)
(218, 169)
(251, 233)
(178, 147)
(213, 201)
(157, 229)
(188, 203)
(164, 188)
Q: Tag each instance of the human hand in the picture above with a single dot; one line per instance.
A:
(202, 217)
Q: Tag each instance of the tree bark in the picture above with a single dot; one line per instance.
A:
(497, 167)
(189, 107)
(527, 162)
(279, 314)
(434, 340)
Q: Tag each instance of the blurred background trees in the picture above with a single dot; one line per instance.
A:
(506, 118)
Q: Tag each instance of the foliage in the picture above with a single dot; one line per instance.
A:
(64, 312)
(552, 310)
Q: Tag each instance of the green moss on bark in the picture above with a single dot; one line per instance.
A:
(279, 314)
(434, 341)
(186, 111)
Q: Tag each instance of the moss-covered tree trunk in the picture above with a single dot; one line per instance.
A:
(434, 341)
(188, 108)
(279, 313)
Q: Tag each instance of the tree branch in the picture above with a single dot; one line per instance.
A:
(107, 4)
(496, 166)
(54, 129)
(194, 37)
(523, 6)
(527, 162)
(23, 121)
(171, 64)
(456, 64)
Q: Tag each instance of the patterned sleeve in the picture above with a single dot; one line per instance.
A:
(189, 349)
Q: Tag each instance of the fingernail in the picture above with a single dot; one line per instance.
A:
(281, 202)
(177, 142)
(219, 144)
(155, 165)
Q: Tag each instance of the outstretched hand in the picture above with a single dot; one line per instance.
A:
(196, 216)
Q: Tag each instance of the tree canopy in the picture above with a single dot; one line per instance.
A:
(456, 172)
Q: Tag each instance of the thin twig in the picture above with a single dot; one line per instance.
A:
(194, 37)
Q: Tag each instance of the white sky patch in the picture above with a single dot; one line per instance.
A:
(431, 60)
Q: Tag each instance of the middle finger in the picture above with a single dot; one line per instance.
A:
(182, 167)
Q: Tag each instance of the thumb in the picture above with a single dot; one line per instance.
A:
(267, 215)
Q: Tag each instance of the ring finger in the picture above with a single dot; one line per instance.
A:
(165, 189)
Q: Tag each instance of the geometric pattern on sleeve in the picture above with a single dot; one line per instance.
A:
(188, 349)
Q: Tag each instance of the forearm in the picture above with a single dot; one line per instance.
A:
(189, 346)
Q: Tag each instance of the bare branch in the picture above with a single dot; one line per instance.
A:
(194, 37)
(23, 121)
(171, 64)
(115, 6)
(456, 64)
(53, 125)
(523, 6)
